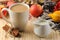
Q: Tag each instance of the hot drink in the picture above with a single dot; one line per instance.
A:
(19, 8)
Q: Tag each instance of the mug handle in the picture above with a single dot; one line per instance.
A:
(4, 16)
(51, 24)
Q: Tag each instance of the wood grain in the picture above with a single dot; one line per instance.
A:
(28, 34)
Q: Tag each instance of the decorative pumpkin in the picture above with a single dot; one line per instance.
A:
(55, 16)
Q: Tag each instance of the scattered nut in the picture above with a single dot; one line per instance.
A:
(15, 32)
(6, 28)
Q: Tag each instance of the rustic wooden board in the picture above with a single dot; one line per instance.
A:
(28, 34)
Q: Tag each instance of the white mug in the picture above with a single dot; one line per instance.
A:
(18, 20)
(42, 28)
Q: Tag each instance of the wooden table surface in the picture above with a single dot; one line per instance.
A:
(28, 35)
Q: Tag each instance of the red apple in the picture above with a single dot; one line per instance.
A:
(4, 12)
(36, 10)
(57, 7)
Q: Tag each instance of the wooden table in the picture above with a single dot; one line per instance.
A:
(28, 35)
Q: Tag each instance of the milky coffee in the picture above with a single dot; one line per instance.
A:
(19, 8)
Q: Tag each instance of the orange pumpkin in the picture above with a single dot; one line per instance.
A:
(55, 16)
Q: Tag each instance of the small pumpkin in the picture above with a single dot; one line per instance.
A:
(55, 16)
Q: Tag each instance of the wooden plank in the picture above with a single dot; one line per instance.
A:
(26, 35)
